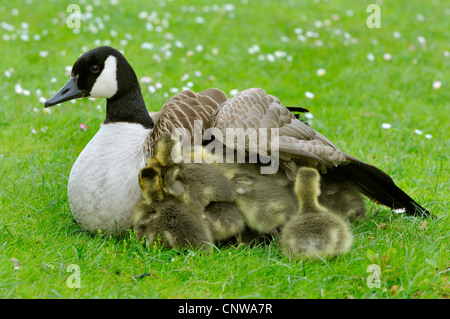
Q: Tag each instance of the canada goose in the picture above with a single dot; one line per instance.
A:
(102, 187)
(314, 231)
(164, 217)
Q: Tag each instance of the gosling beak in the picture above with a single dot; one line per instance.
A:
(68, 92)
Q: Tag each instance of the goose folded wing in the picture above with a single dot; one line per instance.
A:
(254, 109)
(181, 113)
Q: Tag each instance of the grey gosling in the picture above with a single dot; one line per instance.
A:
(314, 231)
(341, 197)
(161, 217)
(266, 201)
(225, 220)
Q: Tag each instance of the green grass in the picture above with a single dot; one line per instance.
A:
(351, 102)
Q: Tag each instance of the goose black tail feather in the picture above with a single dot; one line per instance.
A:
(298, 113)
(378, 186)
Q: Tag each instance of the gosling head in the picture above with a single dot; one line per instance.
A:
(168, 151)
(151, 185)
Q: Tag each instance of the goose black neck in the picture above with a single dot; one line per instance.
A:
(129, 107)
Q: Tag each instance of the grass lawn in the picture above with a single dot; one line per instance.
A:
(397, 74)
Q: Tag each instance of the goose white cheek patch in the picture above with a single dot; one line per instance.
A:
(106, 84)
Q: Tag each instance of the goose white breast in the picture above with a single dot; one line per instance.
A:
(103, 186)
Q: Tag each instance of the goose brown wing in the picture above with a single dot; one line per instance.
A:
(254, 109)
(185, 110)
(300, 145)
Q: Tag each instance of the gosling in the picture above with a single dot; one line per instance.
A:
(165, 220)
(341, 197)
(313, 231)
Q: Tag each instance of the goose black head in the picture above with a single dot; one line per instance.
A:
(104, 72)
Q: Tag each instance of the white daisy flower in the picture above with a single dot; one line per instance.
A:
(199, 20)
(309, 95)
(437, 85)
(199, 48)
(280, 54)
(143, 15)
(178, 44)
(146, 79)
(234, 92)
(18, 89)
(254, 49)
(321, 72)
(421, 40)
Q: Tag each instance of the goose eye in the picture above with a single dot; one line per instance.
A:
(94, 69)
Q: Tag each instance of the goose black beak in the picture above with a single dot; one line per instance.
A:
(68, 92)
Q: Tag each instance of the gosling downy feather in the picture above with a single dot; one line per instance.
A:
(231, 196)
(163, 217)
(266, 201)
(225, 221)
(201, 187)
(197, 185)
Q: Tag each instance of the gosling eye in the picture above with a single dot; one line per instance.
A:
(94, 69)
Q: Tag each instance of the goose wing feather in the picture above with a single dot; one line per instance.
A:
(253, 108)
(183, 111)
(299, 145)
